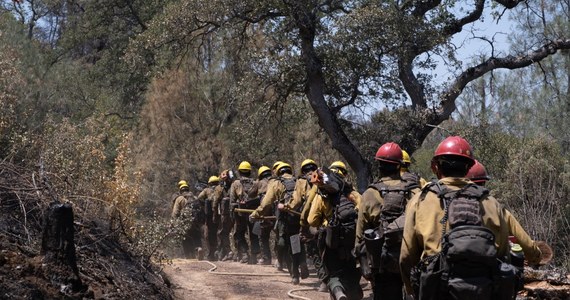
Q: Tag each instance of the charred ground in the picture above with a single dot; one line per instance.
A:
(30, 269)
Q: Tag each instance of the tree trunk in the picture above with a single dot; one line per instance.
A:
(314, 89)
(58, 246)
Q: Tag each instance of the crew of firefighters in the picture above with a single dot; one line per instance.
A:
(314, 212)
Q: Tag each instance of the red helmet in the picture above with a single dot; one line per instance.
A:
(477, 173)
(390, 153)
(454, 145)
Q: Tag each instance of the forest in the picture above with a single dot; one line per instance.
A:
(107, 104)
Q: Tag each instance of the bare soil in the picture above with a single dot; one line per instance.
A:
(191, 279)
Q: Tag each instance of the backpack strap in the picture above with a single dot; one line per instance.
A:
(432, 186)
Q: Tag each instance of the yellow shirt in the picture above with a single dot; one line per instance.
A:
(300, 194)
(308, 203)
(259, 187)
(179, 203)
(422, 230)
(219, 192)
(320, 212)
(206, 193)
(275, 192)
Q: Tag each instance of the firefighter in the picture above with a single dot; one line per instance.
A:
(258, 191)
(240, 198)
(177, 193)
(280, 192)
(207, 196)
(297, 203)
(221, 206)
(340, 168)
(187, 208)
(443, 207)
(335, 216)
(405, 172)
(382, 207)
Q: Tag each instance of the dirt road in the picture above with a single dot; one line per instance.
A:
(191, 279)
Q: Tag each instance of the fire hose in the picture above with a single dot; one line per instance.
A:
(289, 292)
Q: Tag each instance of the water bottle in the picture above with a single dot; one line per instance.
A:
(373, 242)
(370, 234)
(517, 256)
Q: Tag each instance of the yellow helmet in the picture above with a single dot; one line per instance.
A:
(276, 164)
(282, 166)
(307, 162)
(262, 170)
(213, 179)
(181, 183)
(406, 157)
(244, 166)
(339, 167)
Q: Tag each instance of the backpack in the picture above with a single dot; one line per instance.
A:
(341, 230)
(467, 266)
(193, 211)
(247, 184)
(411, 177)
(392, 222)
(289, 184)
(208, 202)
(198, 216)
(224, 206)
(291, 221)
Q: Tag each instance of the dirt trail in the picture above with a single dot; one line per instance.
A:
(191, 280)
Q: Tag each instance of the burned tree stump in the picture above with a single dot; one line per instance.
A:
(58, 246)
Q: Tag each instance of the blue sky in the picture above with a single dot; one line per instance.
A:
(471, 45)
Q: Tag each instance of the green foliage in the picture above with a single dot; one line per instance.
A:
(151, 237)
(534, 186)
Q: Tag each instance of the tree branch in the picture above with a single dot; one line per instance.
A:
(256, 19)
(509, 3)
(411, 83)
(508, 62)
(455, 26)
(331, 6)
(353, 95)
(136, 15)
(424, 6)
